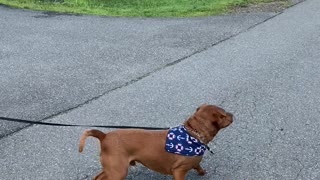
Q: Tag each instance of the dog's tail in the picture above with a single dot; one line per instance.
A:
(95, 133)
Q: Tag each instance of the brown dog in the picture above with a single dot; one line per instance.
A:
(122, 148)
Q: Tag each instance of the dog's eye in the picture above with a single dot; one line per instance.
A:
(198, 109)
(216, 125)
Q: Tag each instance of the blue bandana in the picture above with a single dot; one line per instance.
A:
(179, 141)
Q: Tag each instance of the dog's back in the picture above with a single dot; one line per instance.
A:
(94, 133)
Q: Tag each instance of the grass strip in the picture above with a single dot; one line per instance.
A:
(134, 8)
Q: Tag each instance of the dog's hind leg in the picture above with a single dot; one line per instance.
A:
(114, 167)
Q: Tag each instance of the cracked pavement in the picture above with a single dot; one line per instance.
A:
(268, 76)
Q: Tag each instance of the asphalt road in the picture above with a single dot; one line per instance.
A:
(52, 63)
(268, 76)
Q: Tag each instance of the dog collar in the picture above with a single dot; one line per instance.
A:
(199, 138)
(194, 132)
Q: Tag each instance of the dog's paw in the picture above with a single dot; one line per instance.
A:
(201, 172)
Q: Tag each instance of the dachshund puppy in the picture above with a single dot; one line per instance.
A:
(171, 152)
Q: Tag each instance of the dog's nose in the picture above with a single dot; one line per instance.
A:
(230, 116)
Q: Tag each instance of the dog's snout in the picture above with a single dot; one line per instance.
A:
(230, 116)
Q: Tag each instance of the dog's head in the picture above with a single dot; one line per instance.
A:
(206, 122)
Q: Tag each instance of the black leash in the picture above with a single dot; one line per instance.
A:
(77, 125)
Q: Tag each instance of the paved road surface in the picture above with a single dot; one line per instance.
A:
(267, 76)
(51, 63)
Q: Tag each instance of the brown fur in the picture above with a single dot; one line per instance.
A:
(122, 148)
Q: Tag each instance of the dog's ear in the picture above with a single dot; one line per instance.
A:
(224, 119)
(205, 104)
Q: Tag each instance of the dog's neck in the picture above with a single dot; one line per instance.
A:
(195, 133)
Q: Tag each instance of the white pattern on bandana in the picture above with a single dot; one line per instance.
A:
(179, 141)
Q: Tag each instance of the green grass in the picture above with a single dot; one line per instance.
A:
(142, 8)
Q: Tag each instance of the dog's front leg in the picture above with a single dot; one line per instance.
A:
(100, 176)
(179, 174)
(201, 172)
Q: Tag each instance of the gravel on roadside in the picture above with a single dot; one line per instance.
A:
(275, 6)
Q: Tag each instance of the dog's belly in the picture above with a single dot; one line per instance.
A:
(165, 163)
(159, 165)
